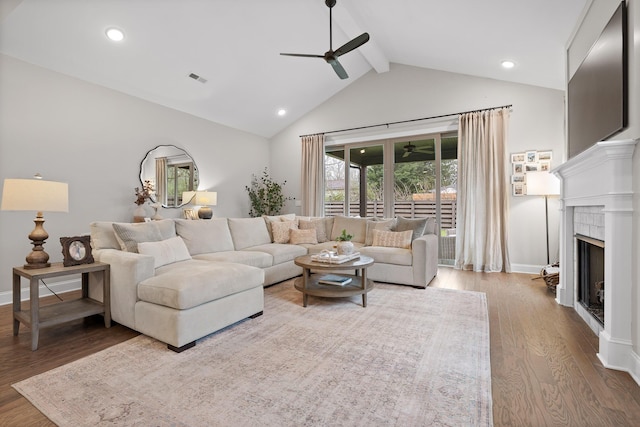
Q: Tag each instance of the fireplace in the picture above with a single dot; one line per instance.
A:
(590, 280)
(597, 202)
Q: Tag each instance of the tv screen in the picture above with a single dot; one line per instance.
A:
(597, 92)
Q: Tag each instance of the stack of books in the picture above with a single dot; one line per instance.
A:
(332, 279)
(333, 258)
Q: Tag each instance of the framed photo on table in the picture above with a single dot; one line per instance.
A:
(76, 250)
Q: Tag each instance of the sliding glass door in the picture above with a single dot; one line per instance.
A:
(412, 177)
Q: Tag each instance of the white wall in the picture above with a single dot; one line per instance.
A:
(537, 122)
(95, 138)
(595, 20)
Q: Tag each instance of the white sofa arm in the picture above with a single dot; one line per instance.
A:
(127, 270)
(425, 259)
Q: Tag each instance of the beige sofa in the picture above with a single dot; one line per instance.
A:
(180, 280)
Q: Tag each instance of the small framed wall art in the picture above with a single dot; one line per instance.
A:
(76, 250)
(528, 161)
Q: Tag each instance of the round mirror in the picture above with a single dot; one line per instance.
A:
(171, 172)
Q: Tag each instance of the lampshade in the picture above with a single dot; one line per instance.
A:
(542, 184)
(39, 196)
(35, 195)
(206, 198)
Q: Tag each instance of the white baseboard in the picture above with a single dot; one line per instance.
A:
(57, 287)
(635, 368)
(526, 268)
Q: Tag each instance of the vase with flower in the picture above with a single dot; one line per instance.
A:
(344, 246)
(142, 195)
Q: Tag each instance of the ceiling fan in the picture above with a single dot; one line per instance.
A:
(410, 148)
(331, 56)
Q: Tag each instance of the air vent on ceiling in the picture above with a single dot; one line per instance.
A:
(197, 78)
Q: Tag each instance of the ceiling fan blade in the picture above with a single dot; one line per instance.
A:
(304, 55)
(406, 154)
(338, 69)
(353, 44)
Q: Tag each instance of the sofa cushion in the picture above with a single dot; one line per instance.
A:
(280, 230)
(315, 224)
(212, 235)
(280, 253)
(190, 283)
(103, 236)
(416, 225)
(247, 232)
(252, 258)
(165, 251)
(298, 237)
(357, 227)
(384, 225)
(129, 235)
(392, 239)
(383, 255)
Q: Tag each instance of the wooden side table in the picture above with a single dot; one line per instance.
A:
(50, 315)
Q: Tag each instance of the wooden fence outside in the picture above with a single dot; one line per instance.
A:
(407, 209)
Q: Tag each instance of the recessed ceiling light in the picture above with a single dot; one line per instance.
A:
(115, 34)
(282, 112)
(508, 64)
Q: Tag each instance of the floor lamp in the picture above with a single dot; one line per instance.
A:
(543, 184)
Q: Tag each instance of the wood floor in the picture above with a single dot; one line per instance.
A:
(543, 358)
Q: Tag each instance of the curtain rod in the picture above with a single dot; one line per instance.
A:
(406, 121)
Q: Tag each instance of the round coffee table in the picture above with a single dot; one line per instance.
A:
(308, 283)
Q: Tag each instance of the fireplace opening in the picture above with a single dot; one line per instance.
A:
(591, 284)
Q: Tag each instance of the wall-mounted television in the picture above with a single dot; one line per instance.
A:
(597, 92)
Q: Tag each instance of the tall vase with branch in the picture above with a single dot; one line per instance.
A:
(142, 195)
(265, 195)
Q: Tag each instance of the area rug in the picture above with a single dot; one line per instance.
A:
(412, 357)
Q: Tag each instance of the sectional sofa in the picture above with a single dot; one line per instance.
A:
(179, 280)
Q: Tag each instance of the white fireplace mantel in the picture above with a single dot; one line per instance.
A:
(602, 176)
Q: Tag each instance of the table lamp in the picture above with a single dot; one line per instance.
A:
(543, 184)
(35, 195)
(204, 199)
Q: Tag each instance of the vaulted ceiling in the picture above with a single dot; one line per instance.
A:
(235, 46)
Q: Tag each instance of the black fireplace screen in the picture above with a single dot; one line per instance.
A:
(591, 284)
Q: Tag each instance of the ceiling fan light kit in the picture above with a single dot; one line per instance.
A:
(331, 56)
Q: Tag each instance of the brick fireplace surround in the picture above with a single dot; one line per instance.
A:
(597, 201)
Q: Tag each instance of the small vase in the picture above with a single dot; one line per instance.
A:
(156, 215)
(344, 248)
(139, 214)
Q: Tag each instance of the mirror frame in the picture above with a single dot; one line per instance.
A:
(149, 156)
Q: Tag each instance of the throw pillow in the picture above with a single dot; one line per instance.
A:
(270, 219)
(384, 225)
(416, 225)
(103, 236)
(280, 231)
(298, 237)
(392, 239)
(315, 224)
(165, 251)
(129, 235)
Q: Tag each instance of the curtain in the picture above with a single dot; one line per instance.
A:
(313, 175)
(483, 191)
(161, 180)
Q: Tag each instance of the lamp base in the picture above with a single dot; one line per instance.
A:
(38, 258)
(205, 212)
(36, 266)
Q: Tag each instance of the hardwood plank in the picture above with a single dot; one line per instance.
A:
(544, 367)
